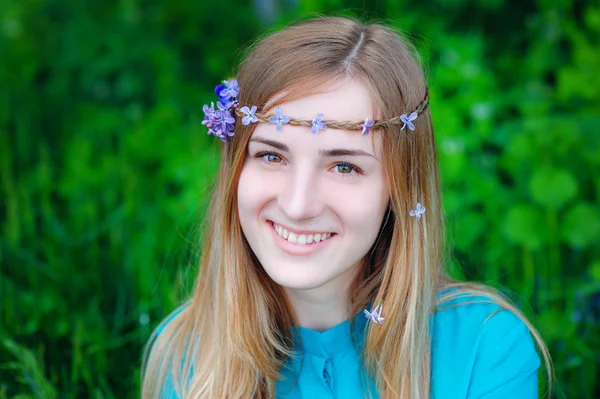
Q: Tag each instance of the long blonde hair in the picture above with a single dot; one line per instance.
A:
(233, 336)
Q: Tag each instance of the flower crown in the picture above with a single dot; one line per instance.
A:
(221, 121)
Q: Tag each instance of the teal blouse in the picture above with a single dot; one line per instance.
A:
(472, 358)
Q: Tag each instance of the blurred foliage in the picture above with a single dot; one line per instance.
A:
(104, 168)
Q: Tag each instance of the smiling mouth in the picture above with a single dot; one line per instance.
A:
(300, 239)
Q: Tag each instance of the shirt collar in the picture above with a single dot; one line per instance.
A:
(331, 342)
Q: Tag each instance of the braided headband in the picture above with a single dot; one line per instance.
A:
(221, 121)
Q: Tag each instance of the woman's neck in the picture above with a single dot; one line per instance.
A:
(322, 307)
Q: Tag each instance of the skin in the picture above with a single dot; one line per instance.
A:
(305, 189)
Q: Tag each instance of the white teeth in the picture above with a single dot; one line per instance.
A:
(292, 238)
(302, 239)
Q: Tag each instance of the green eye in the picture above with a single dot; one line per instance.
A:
(344, 169)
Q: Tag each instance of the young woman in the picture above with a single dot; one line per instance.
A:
(323, 271)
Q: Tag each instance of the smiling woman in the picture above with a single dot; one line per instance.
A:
(325, 257)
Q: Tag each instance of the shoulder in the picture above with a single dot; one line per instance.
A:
(166, 329)
(159, 354)
(481, 348)
(467, 314)
(170, 320)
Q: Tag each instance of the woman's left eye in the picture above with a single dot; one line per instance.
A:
(345, 168)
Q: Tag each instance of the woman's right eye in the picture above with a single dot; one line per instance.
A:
(270, 157)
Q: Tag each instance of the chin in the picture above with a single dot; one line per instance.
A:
(306, 279)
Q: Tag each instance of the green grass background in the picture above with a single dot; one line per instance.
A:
(105, 167)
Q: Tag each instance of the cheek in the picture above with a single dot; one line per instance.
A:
(246, 196)
(253, 191)
(361, 208)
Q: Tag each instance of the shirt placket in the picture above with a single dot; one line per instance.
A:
(322, 366)
(327, 374)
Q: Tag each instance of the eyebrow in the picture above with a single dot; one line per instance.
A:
(334, 152)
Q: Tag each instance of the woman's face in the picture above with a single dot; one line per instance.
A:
(311, 205)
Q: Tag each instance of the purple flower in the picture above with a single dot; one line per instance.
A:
(250, 117)
(223, 118)
(209, 115)
(365, 126)
(225, 104)
(408, 120)
(223, 134)
(417, 212)
(280, 119)
(231, 90)
(220, 121)
(317, 124)
(375, 315)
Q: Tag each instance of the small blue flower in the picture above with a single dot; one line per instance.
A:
(250, 117)
(317, 124)
(219, 89)
(365, 126)
(231, 90)
(417, 212)
(408, 120)
(280, 119)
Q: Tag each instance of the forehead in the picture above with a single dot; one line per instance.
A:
(345, 100)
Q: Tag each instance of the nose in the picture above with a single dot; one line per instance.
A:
(300, 197)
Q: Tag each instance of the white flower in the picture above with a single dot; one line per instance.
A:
(417, 212)
(407, 120)
(375, 315)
